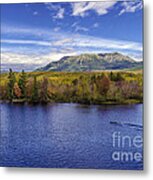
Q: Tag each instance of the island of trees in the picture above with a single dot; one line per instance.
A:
(117, 87)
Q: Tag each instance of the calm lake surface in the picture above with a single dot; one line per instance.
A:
(69, 135)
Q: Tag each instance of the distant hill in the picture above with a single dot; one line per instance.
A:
(93, 62)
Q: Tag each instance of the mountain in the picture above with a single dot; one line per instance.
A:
(92, 62)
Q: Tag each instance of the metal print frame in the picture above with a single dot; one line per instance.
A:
(71, 88)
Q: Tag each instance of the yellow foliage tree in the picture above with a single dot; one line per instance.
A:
(17, 91)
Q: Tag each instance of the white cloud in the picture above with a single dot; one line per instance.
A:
(56, 42)
(56, 29)
(80, 28)
(55, 56)
(56, 8)
(27, 42)
(130, 7)
(96, 25)
(83, 41)
(60, 14)
(13, 30)
(16, 58)
(110, 44)
(51, 6)
(62, 42)
(101, 8)
(35, 13)
(28, 32)
(74, 24)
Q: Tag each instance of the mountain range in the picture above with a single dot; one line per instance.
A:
(93, 62)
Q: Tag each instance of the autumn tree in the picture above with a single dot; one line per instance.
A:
(44, 91)
(3, 92)
(131, 90)
(93, 88)
(103, 85)
(17, 91)
(114, 93)
(29, 88)
(83, 90)
(75, 83)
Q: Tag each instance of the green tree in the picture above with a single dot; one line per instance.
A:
(119, 77)
(112, 76)
(22, 83)
(75, 83)
(93, 79)
(35, 96)
(103, 85)
(114, 93)
(44, 91)
(116, 76)
(10, 85)
(83, 91)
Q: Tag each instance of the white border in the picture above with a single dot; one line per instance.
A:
(68, 174)
(29, 1)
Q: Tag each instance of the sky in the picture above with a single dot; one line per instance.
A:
(38, 33)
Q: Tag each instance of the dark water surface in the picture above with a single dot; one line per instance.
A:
(68, 135)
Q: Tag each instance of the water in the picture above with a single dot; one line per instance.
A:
(68, 135)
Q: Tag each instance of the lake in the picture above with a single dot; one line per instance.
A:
(71, 136)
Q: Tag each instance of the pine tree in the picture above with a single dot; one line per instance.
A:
(10, 85)
(35, 97)
(111, 76)
(22, 83)
(119, 77)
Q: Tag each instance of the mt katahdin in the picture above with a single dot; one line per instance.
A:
(93, 62)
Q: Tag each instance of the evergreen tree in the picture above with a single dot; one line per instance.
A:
(35, 96)
(111, 76)
(75, 82)
(10, 85)
(22, 83)
(119, 77)
(116, 76)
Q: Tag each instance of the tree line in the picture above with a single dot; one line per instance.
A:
(103, 88)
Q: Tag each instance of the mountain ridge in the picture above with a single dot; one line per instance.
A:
(92, 62)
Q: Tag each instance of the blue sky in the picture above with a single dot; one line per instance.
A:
(38, 33)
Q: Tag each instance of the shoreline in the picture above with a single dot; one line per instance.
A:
(127, 102)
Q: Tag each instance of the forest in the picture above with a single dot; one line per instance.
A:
(103, 87)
